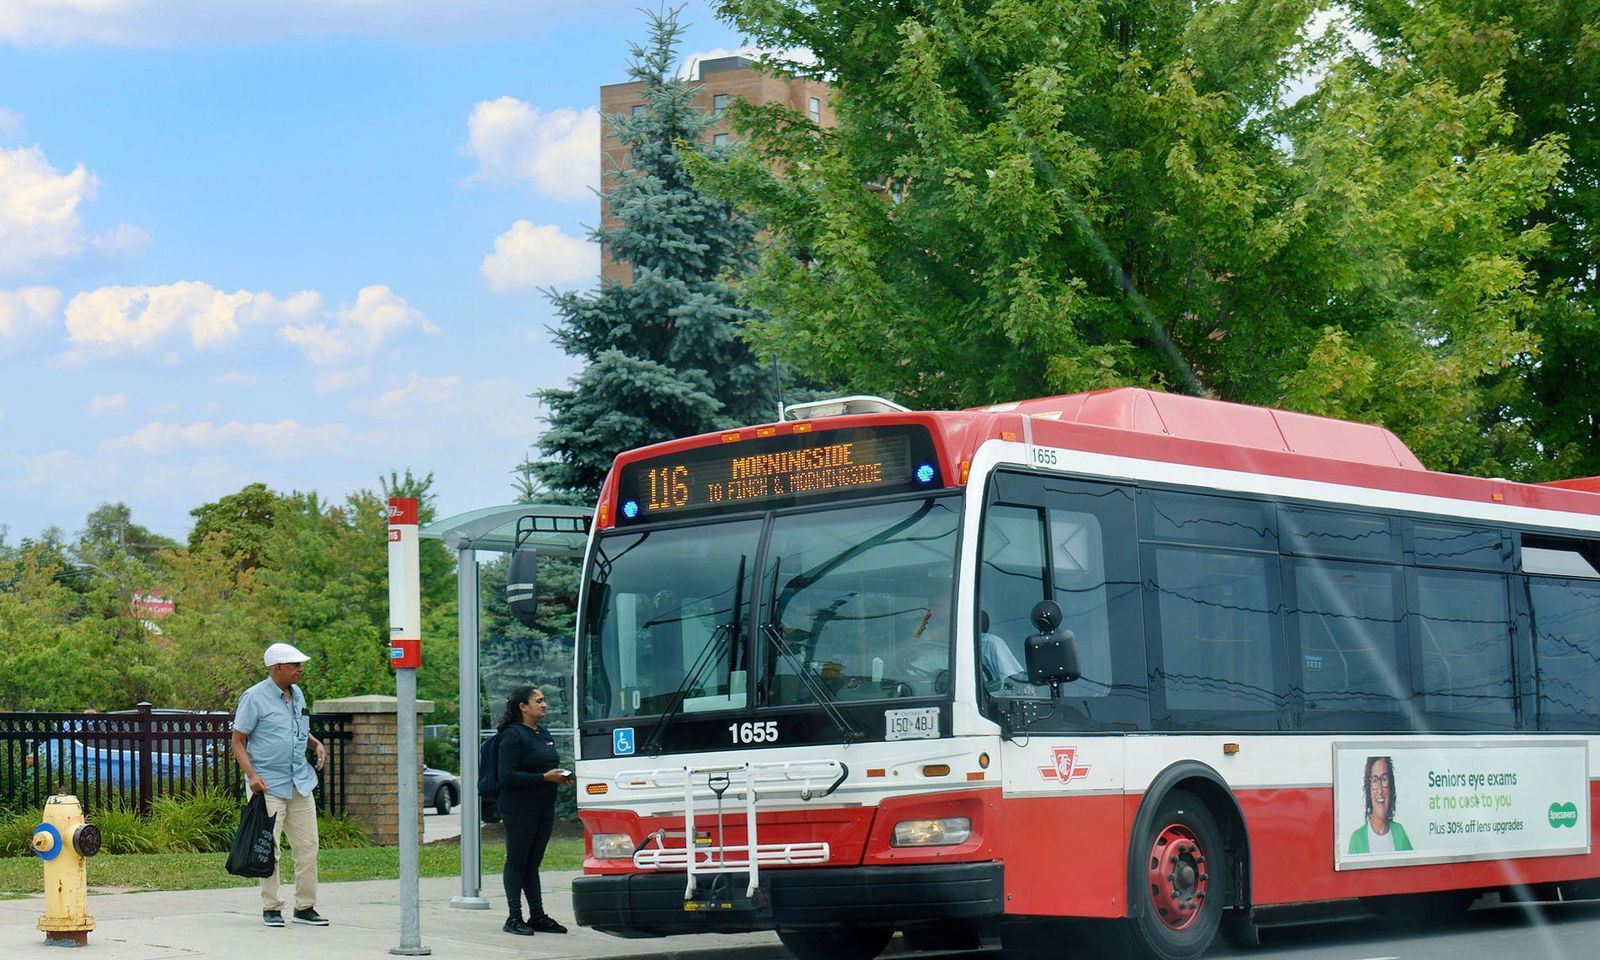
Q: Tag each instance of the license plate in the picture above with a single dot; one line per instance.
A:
(921, 723)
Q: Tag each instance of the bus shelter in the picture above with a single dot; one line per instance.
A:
(553, 530)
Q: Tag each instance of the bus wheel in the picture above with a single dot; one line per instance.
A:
(1184, 870)
(836, 943)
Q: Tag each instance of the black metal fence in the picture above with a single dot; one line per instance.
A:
(132, 757)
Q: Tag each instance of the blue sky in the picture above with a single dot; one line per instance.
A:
(293, 241)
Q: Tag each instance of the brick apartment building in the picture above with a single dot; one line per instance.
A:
(722, 81)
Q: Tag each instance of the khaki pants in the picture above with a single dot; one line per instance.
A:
(297, 817)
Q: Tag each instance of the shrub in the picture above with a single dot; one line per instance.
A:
(16, 832)
(202, 822)
(340, 831)
(121, 830)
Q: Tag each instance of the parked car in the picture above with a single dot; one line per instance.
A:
(440, 789)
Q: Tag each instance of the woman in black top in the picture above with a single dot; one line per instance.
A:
(529, 773)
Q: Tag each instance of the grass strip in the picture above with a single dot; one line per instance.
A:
(203, 871)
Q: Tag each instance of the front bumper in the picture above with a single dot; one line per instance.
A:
(651, 904)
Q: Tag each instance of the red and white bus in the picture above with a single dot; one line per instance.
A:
(1152, 660)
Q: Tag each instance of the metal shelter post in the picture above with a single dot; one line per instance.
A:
(470, 897)
(556, 530)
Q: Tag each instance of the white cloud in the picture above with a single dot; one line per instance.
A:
(335, 380)
(10, 124)
(24, 312)
(532, 256)
(284, 440)
(433, 411)
(39, 219)
(122, 319)
(114, 403)
(377, 316)
(558, 152)
(175, 23)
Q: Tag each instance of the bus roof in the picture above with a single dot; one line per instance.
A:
(1149, 425)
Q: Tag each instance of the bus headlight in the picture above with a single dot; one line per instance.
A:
(611, 846)
(945, 832)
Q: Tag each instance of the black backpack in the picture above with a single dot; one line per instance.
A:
(489, 778)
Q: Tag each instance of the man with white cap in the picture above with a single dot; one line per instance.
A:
(271, 731)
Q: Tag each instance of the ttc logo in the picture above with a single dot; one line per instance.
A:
(1065, 768)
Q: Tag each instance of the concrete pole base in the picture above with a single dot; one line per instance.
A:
(411, 951)
(469, 903)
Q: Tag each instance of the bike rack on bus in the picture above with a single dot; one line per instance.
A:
(751, 783)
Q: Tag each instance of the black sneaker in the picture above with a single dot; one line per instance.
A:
(311, 916)
(547, 924)
(272, 918)
(516, 926)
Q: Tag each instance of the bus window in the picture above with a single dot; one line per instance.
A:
(859, 598)
(1217, 631)
(1311, 532)
(1560, 557)
(1011, 581)
(1351, 635)
(1220, 521)
(1463, 645)
(1078, 561)
(1454, 545)
(1566, 652)
(666, 615)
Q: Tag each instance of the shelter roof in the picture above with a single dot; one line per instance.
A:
(557, 529)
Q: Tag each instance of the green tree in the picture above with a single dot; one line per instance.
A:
(1026, 197)
(109, 532)
(242, 521)
(1547, 57)
(662, 353)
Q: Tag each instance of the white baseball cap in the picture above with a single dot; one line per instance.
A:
(283, 653)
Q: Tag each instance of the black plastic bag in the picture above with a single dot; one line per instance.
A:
(253, 853)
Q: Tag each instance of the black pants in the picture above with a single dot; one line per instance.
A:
(526, 837)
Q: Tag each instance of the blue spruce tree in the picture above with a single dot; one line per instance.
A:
(664, 355)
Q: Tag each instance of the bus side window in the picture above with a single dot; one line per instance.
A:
(1566, 630)
(1012, 578)
(1351, 634)
(1218, 624)
(1463, 646)
(1078, 556)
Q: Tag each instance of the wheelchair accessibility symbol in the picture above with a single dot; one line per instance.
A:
(622, 741)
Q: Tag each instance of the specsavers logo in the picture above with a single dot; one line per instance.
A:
(1563, 815)
(1066, 768)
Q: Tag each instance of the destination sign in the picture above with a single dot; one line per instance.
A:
(778, 471)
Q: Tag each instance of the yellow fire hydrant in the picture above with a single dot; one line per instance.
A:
(62, 841)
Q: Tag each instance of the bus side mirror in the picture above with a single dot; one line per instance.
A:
(522, 592)
(1052, 653)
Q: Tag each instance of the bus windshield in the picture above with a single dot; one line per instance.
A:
(850, 603)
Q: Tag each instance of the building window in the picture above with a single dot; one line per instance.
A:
(719, 140)
(814, 109)
(719, 103)
(638, 109)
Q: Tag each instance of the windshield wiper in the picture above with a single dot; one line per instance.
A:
(708, 655)
(812, 683)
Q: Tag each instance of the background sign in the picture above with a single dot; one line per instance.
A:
(1442, 801)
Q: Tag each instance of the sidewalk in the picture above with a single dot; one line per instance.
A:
(226, 925)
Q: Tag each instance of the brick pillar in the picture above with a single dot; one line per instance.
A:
(371, 791)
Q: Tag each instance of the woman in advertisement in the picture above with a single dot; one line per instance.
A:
(1379, 833)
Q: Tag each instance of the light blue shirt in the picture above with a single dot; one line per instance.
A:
(276, 730)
